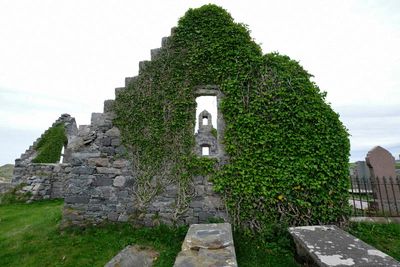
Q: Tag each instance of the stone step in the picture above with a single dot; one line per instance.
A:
(142, 65)
(165, 41)
(173, 30)
(108, 105)
(118, 90)
(129, 80)
(155, 53)
(207, 245)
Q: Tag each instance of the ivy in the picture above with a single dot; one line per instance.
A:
(50, 145)
(288, 151)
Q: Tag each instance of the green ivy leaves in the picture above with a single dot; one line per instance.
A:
(50, 145)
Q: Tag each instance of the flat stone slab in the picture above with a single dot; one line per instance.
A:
(330, 246)
(207, 245)
(134, 256)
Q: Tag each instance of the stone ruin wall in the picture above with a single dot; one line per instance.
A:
(97, 181)
(44, 181)
(103, 185)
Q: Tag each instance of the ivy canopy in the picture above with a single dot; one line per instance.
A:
(288, 151)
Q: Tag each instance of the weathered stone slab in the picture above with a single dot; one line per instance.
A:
(207, 245)
(133, 256)
(330, 246)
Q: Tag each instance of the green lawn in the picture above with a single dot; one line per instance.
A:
(29, 236)
(385, 237)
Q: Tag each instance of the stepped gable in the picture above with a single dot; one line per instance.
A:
(70, 130)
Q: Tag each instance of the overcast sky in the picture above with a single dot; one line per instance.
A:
(68, 56)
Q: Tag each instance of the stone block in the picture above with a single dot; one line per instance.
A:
(85, 155)
(196, 204)
(123, 218)
(134, 256)
(108, 151)
(113, 216)
(115, 142)
(82, 170)
(113, 132)
(105, 141)
(94, 208)
(191, 220)
(99, 162)
(108, 105)
(120, 163)
(155, 53)
(119, 181)
(77, 199)
(107, 170)
(102, 181)
(199, 190)
(119, 90)
(120, 150)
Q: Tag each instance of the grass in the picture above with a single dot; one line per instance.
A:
(30, 236)
(256, 252)
(385, 237)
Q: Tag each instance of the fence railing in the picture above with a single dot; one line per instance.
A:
(375, 196)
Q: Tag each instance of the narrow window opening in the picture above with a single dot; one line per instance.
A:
(62, 154)
(205, 150)
(205, 121)
(208, 103)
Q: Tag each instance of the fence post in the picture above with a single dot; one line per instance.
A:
(394, 196)
(352, 195)
(387, 196)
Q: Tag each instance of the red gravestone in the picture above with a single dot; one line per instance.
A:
(382, 167)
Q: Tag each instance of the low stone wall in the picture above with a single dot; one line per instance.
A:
(43, 181)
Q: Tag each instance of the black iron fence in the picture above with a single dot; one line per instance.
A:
(375, 196)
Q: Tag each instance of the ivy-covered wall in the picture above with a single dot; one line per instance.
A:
(50, 145)
(288, 151)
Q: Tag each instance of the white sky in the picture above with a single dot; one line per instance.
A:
(68, 56)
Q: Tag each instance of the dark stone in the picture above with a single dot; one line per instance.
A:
(108, 150)
(102, 181)
(113, 216)
(76, 161)
(77, 199)
(108, 105)
(196, 204)
(106, 141)
(82, 170)
(115, 142)
(121, 150)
